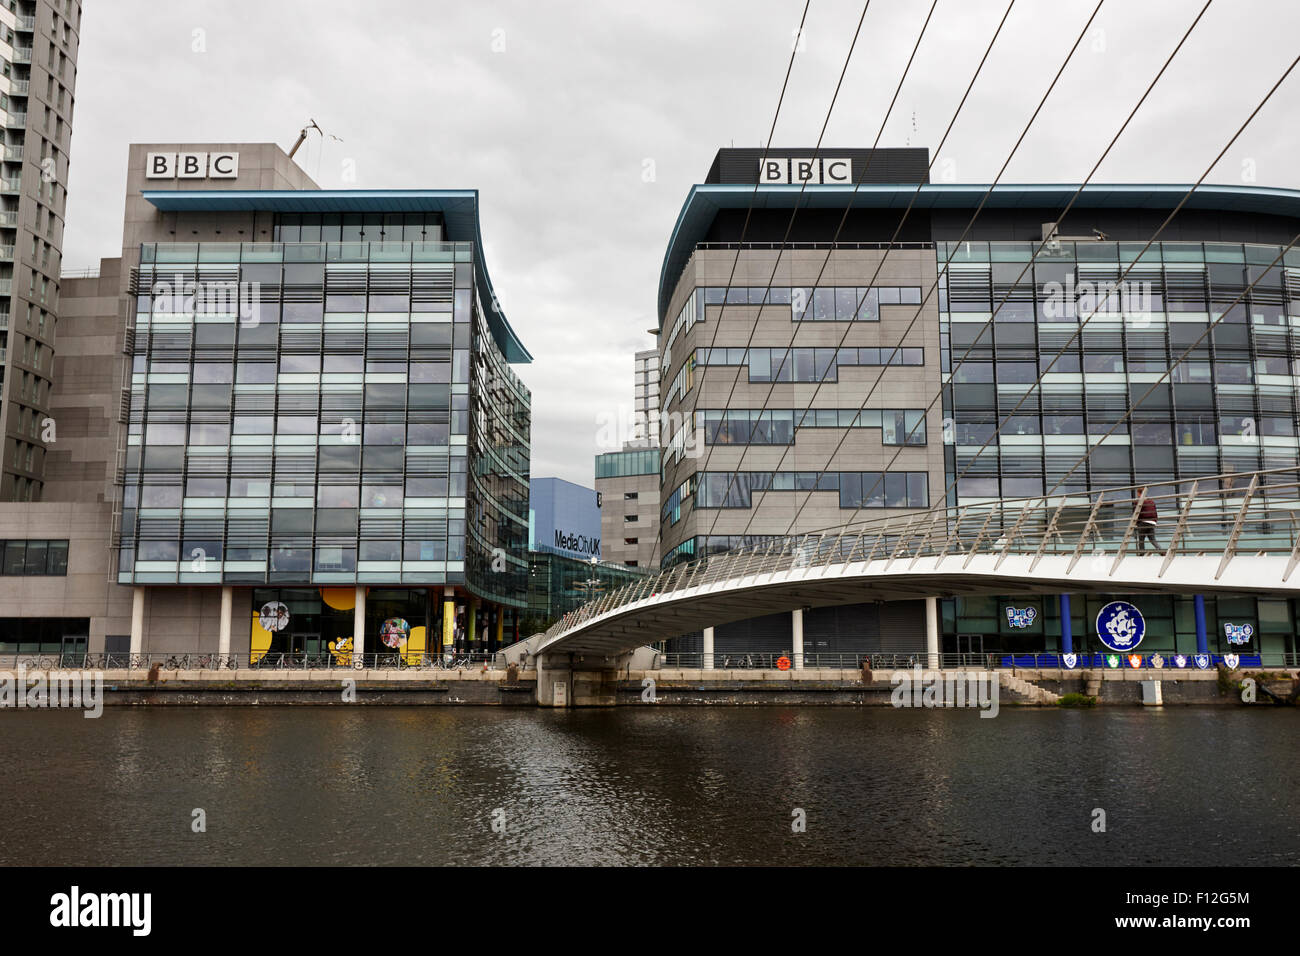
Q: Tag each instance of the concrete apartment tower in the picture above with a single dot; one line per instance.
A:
(38, 43)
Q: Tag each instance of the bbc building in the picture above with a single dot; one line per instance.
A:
(744, 312)
(288, 423)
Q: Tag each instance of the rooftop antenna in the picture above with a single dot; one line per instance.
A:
(302, 136)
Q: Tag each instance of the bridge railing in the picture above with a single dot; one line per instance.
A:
(257, 661)
(1217, 515)
(990, 660)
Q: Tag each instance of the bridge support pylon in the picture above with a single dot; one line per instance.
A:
(796, 637)
(586, 680)
(932, 632)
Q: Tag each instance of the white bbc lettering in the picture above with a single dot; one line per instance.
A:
(191, 165)
(160, 165)
(800, 170)
(804, 171)
(837, 171)
(774, 171)
(223, 165)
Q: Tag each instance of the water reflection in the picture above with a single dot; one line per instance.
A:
(649, 786)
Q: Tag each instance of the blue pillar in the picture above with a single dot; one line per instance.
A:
(1067, 636)
(1202, 645)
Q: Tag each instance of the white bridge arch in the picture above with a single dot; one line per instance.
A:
(1235, 533)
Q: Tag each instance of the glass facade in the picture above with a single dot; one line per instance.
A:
(975, 625)
(623, 464)
(322, 413)
(1229, 406)
(558, 584)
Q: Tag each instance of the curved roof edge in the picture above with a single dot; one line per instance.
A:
(458, 206)
(705, 200)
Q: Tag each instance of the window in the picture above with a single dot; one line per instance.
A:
(160, 496)
(36, 558)
(260, 373)
(205, 488)
(209, 433)
(902, 426)
(299, 364)
(343, 364)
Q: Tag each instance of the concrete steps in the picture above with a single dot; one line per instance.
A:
(1023, 691)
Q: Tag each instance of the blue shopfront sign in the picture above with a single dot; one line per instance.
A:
(1021, 617)
(1238, 633)
(1120, 626)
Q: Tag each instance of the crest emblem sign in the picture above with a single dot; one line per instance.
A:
(1120, 626)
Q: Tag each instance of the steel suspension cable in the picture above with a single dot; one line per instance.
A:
(983, 201)
(1136, 259)
(1176, 362)
(734, 473)
(789, 226)
(771, 133)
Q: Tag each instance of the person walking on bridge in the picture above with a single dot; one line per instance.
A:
(1146, 523)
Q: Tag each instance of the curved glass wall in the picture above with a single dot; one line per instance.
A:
(319, 413)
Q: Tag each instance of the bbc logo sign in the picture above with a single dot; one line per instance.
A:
(800, 171)
(191, 165)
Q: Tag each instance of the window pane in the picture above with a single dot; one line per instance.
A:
(57, 558)
(36, 557)
(15, 557)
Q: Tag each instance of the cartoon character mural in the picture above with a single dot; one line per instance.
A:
(341, 650)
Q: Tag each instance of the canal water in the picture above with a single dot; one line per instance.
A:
(685, 785)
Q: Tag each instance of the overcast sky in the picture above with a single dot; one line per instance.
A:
(584, 124)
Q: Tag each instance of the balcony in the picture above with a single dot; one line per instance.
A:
(16, 120)
(19, 87)
(27, 24)
(10, 185)
(6, 252)
(6, 286)
(8, 217)
(4, 320)
(13, 154)
(22, 54)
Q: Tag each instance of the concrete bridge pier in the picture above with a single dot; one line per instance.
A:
(586, 680)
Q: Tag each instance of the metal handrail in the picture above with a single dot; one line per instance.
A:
(824, 244)
(170, 666)
(168, 662)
